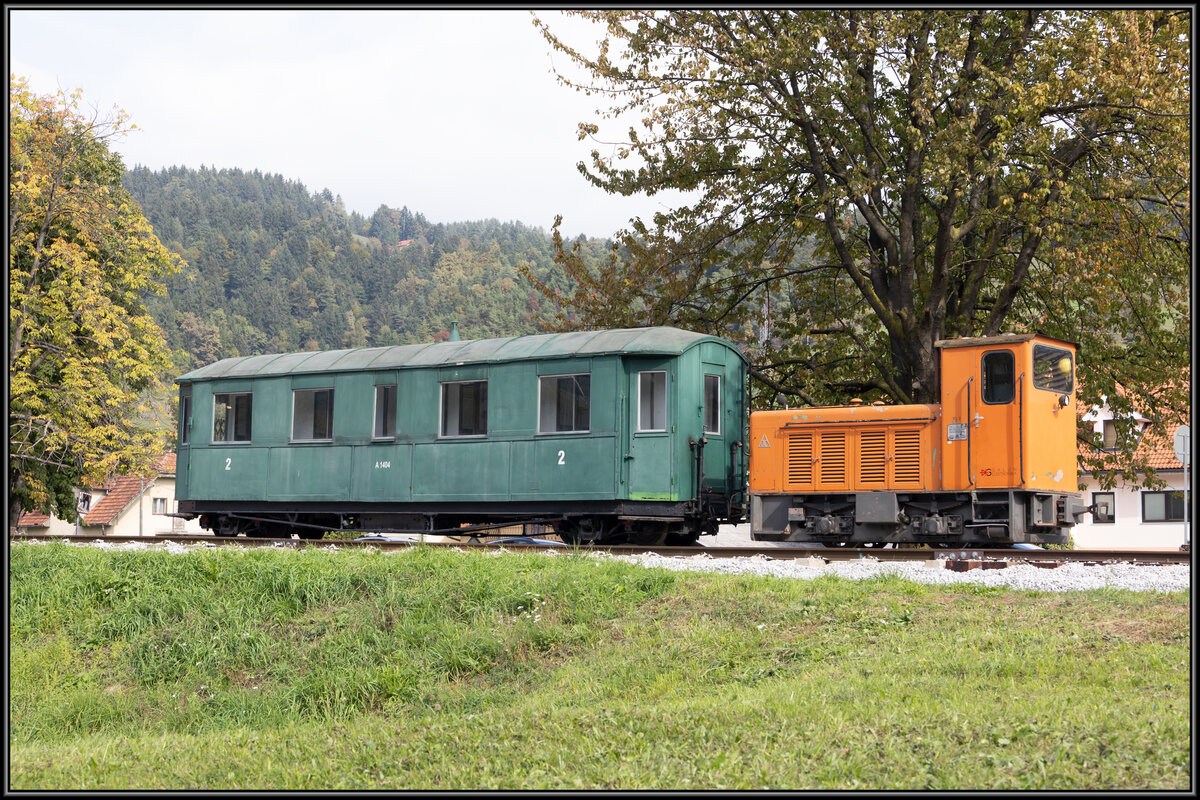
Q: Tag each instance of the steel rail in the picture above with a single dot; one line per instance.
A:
(775, 552)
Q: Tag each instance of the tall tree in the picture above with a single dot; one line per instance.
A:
(82, 352)
(860, 184)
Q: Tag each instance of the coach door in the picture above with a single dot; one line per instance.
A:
(650, 430)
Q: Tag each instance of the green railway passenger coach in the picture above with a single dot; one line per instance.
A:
(632, 435)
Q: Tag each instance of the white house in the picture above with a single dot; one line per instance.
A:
(1131, 517)
(122, 506)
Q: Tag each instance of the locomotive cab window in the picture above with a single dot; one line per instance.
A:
(231, 417)
(385, 411)
(464, 409)
(652, 401)
(1053, 369)
(312, 415)
(999, 377)
(564, 403)
(712, 404)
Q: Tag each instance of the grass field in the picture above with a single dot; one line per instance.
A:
(429, 669)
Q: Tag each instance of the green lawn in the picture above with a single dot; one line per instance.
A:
(430, 669)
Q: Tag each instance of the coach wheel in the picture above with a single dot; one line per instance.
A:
(581, 531)
(683, 538)
(276, 530)
(226, 526)
(649, 534)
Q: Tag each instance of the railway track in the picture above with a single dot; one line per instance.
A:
(956, 557)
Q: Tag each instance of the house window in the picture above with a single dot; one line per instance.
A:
(1110, 435)
(999, 377)
(565, 403)
(1162, 506)
(385, 411)
(231, 417)
(712, 404)
(159, 505)
(1111, 439)
(1104, 506)
(84, 504)
(1052, 369)
(464, 409)
(312, 415)
(652, 401)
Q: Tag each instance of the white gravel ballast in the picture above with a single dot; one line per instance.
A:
(1066, 578)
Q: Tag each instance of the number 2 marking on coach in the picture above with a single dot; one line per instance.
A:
(228, 461)
(562, 457)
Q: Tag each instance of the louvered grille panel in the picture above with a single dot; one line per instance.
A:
(799, 459)
(908, 456)
(872, 457)
(833, 458)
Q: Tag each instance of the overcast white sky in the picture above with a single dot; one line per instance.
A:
(453, 113)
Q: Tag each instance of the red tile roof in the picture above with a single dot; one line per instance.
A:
(1157, 449)
(1160, 451)
(124, 491)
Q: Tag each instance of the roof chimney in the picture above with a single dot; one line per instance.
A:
(453, 331)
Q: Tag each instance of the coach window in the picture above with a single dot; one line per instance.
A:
(1052, 369)
(385, 411)
(464, 409)
(564, 403)
(712, 404)
(1104, 505)
(652, 401)
(185, 414)
(1162, 506)
(231, 417)
(312, 415)
(999, 378)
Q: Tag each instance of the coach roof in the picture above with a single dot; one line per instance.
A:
(627, 341)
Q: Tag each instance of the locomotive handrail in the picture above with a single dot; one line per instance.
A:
(1021, 427)
(970, 474)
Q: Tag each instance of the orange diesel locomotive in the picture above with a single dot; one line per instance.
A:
(993, 464)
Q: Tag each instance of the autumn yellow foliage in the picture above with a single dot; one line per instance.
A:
(82, 351)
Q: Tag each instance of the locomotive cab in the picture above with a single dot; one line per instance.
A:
(993, 463)
(1008, 408)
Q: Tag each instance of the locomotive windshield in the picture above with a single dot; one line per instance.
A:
(1053, 369)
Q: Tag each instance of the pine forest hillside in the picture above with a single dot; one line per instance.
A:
(273, 269)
